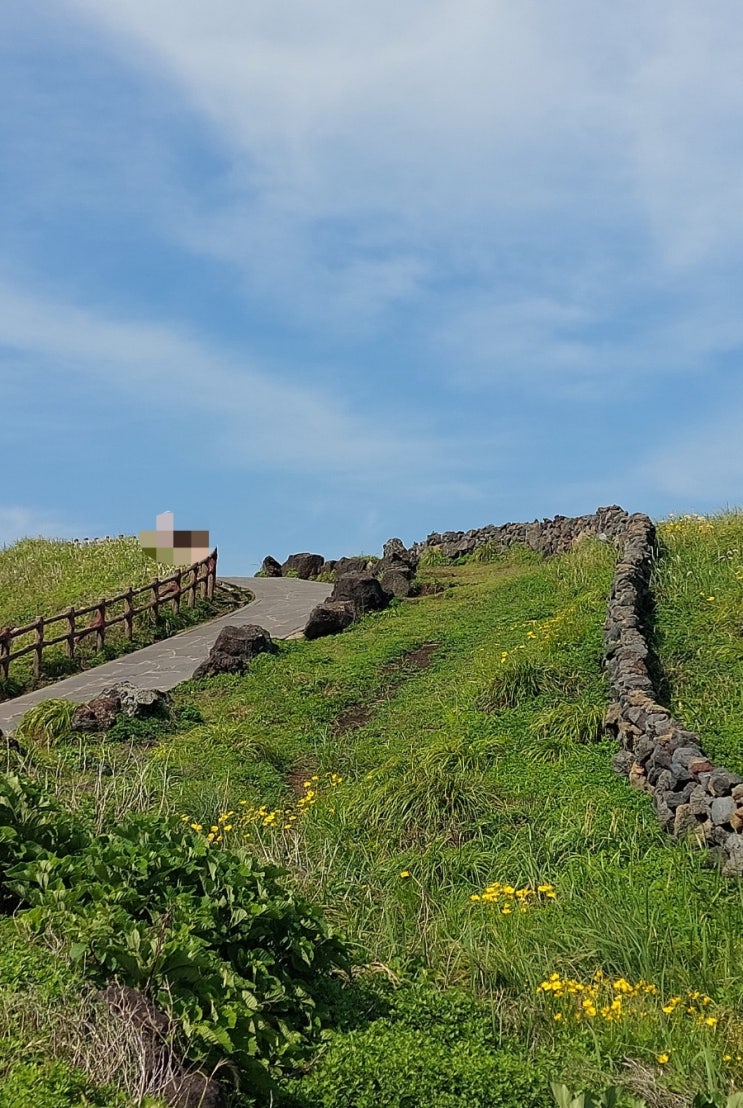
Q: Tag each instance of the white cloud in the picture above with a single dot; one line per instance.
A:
(375, 153)
(248, 415)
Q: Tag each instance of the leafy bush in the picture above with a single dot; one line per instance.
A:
(611, 1097)
(54, 1084)
(215, 939)
(397, 1067)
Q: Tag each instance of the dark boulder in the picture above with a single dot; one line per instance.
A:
(97, 715)
(396, 582)
(304, 566)
(270, 567)
(395, 548)
(140, 703)
(362, 591)
(329, 618)
(234, 649)
(351, 565)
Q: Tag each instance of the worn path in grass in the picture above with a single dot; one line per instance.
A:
(281, 605)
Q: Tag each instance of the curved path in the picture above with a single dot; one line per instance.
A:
(281, 605)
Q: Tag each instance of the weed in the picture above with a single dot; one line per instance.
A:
(46, 723)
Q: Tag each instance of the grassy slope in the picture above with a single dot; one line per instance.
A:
(446, 789)
(459, 797)
(699, 593)
(45, 576)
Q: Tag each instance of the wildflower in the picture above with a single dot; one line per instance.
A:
(557, 1016)
(710, 1021)
(196, 827)
(663, 1057)
(404, 873)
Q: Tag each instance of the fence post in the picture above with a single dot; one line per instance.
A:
(129, 614)
(178, 590)
(212, 577)
(70, 643)
(203, 581)
(100, 633)
(38, 647)
(156, 598)
(5, 641)
(192, 587)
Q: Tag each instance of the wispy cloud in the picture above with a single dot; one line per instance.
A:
(246, 417)
(376, 153)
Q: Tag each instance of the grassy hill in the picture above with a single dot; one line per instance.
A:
(434, 781)
(46, 576)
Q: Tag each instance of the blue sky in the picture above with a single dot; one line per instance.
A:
(313, 275)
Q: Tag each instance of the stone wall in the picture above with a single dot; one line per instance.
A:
(690, 795)
(547, 536)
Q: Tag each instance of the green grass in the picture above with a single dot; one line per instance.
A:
(699, 628)
(486, 766)
(45, 577)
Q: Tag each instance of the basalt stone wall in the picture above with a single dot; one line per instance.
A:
(690, 795)
(547, 536)
(659, 755)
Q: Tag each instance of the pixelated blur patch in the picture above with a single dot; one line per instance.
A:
(174, 548)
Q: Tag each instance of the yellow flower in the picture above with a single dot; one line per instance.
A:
(405, 873)
(711, 1021)
(557, 1016)
(196, 827)
(663, 1058)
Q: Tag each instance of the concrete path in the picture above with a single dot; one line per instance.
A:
(281, 605)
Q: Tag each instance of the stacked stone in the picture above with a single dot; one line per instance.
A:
(547, 537)
(690, 795)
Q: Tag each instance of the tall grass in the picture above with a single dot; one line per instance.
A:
(698, 586)
(45, 576)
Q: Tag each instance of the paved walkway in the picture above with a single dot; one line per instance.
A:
(281, 605)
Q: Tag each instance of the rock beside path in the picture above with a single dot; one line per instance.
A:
(123, 698)
(305, 566)
(234, 649)
(362, 591)
(329, 619)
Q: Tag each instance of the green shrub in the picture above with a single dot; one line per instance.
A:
(398, 1067)
(216, 939)
(54, 1084)
(611, 1097)
(434, 556)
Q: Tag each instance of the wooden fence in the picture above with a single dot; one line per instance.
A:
(200, 577)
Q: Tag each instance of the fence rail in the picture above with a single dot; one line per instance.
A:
(200, 577)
